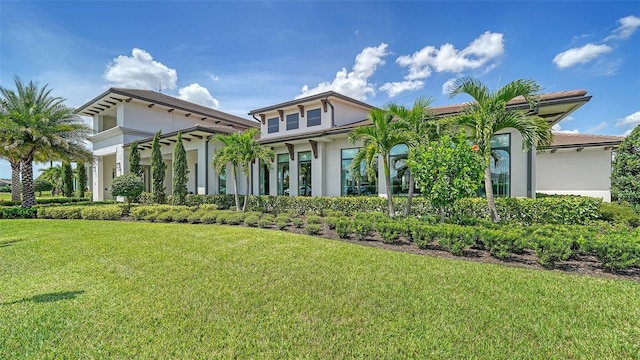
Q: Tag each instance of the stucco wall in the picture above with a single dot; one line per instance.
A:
(569, 171)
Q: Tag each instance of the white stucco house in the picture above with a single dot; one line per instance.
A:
(309, 137)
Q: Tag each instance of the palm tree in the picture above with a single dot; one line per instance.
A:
(377, 140)
(53, 175)
(488, 114)
(241, 149)
(42, 127)
(13, 157)
(419, 128)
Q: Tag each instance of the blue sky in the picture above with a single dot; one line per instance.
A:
(238, 56)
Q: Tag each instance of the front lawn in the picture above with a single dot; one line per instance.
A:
(95, 289)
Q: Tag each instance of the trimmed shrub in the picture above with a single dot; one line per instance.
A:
(209, 217)
(207, 207)
(313, 228)
(166, 216)
(18, 213)
(103, 212)
(182, 216)
(252, 220)
(455, 238)
(298, 222)
(195, 217)
(618, 251)
(235, 218)
(283, 217)
(390, 231)
(615, 213)
(314, 219)
(267, 221)
(331, 221)
(141, 212)
(281, 224)
(552, 244)
(343, 227)
(60, 212)
(362, 228)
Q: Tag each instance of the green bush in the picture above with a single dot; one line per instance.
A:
(281, 224)
(298, 222)
(209, 217)
(166, 216)
(313, 228)
(616, 213)
(343, 227)
(390, 231)
(331, 221)
(182, 216)
(314, 219)
(267, 221)
(456, 238)
(552, 244)
(141, 212)
(618, 251)
(284, 218)
(195, 217)
(102, 212)
(18, 213)
(362, 228)
(252, 220)
(504, 241)
(60, 212)
(235, 218)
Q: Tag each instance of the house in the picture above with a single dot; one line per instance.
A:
(577, 164)
(309, 137)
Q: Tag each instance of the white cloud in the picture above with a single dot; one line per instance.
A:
(199, 95)
(448, 86)
(448, 59)
(395, 88)
(557, 128)
(580, 55)
(598, 127)
(628, 26)
(627, 133)
(630, 120)
(213, 76)
(354, 83)
(140, 71)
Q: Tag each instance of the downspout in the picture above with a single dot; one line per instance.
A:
(254, 116)
(206, 160)
(333, 120)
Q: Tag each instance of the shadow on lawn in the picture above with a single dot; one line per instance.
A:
(9, 242)
(49, 297)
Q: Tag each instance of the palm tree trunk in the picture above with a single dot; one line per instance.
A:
(442, 215)
(246, 196)
(412, 183)
(488, 188)
(387, 176)
(28, 194)
(235, 185)
(15, 180)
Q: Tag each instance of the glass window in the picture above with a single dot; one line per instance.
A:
(292, 121)
(313, 117)
(273, 126)
(355, 184)
(500, 165)
(400, 170)
(283, 174)
(264, 179)
(304, 173)
(222, 184)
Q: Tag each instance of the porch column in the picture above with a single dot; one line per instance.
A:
(317, 172)
(202, 168)
(98, 179)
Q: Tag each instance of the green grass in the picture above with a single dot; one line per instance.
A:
(96, 289)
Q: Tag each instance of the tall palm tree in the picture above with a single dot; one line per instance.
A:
(377, 140)
(241, 149)
(41, 126)
(53, 175)
(419, 128)
(488, 114)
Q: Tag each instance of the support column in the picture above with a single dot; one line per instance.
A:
(202, 168)
(317, 173)
(98, 179)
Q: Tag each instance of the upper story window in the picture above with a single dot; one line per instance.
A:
(273, 126)
(313, 117)
(292, 121)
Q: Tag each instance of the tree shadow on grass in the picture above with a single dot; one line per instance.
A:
(9, 242)
(49, 297)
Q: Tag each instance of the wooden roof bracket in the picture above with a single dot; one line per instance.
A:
(314, 148)
(301, 109)
(290, 147)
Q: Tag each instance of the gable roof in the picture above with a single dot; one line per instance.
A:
(114, 95)
(565, 140)
(310, 98)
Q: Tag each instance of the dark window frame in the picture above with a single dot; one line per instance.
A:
(312, 121)
(271, 126)
(291, 122)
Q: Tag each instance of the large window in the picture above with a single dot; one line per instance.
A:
(400, 170)
(292, 121)
(313, 117)
(283, 174)
(264, 179)
(222, 184)
(304, 173)
(355, 184)
(273, 126)
(500, 165)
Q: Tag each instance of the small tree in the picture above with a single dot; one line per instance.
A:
(82, 179)
(134, 159)
(130, 186)
(180, 172)
(447, 170)
(40, 185)
(626, 170)
(158, 168)
(67, 179)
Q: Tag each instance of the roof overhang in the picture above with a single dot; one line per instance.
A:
(189, 134)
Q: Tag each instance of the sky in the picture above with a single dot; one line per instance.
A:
(243, 55)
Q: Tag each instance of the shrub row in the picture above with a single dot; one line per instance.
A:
(17, 212)
(103, 212)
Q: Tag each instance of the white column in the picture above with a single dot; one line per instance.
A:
(98, 179)
(317, 176)
(202, 167)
